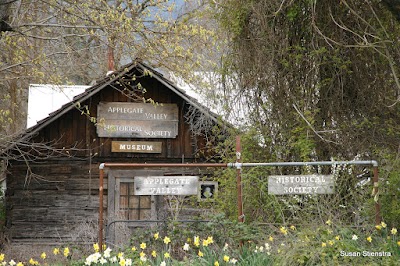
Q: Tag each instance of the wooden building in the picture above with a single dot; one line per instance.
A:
(132, 115)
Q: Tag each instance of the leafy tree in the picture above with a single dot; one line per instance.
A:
(319, 78)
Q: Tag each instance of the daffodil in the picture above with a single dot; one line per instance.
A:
(133, 248)
(323, 244)
(186, 247)
(216, 263)
(20, 264)
(331, 242)
(378, 227)
(196, 241)
(201, 253)
(354, 237)
(142, 254)
(271, 238)
(2, 257)
(329, 222)
(163, 263)
(167, 240)
(66, 252)
(33, 262)
(369, 239)
(292, 227)
(398, 243)
(167, 255)
(56, 251)
(337, 237)
(233, 261)
(383, 224)
(96, 247)
(393, 231)
(156, 235)
(154, 253)
(226, 258)
(120, 255)
(43, 255)
(283, 230)
(143, 245)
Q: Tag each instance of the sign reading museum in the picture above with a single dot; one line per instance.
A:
(300, 184)
(137, 120)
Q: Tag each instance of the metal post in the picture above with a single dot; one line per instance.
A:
(239, 180)
(376, 195)
(101, 208)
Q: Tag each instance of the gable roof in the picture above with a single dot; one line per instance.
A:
(100, 85)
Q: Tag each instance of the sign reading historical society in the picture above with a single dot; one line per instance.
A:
(137, 120)
(300, 184)
(166, 185)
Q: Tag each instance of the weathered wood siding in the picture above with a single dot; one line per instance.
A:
(56, 199)
(58, 206)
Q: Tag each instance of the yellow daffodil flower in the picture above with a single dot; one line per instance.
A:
(283, 230)
(201, 253)
(66, 252)
(393, 231)
(369, 239)
(56, 251)
(226, 258)
(167, 255)
(167, 240)
(156, 235)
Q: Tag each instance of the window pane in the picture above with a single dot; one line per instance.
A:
(145, 214)
(145, 202)
(133, 214)
(123, 202)
(134, 202)
(124, 188)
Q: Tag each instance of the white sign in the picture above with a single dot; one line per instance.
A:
(166, 185)
(300, 184)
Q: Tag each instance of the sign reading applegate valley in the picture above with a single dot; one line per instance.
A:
(300, 184)
(137, 120)
(166, 185)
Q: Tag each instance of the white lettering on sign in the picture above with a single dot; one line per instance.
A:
(123, 128)
(137, 120)
(124, 110)
(300, 184)
(158, 133)
(166, 185)
(136, 147)
(156, 116)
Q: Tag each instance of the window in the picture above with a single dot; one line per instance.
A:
(132, 207)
